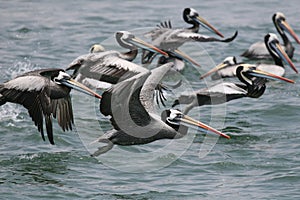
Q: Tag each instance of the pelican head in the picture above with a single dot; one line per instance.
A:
(245, 72)
(175, 118)
(191, 16)
(129, 41)
(96, 48)
(65, 79)
(228, 61)
(275, 49)
(282, 25)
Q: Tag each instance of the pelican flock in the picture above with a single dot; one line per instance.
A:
(129, 101)
(259, 51)
(252, 85)
(228, 67)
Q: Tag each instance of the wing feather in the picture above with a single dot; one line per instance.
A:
(122, 102)
(106, 66)
(189, 36)
(147, 91)
(63, 108)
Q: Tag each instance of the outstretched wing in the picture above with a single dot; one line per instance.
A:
(134, 95)
(216, 94)
(221, 93)
(189, 36)
(32, 92)
(130, 103)
(122, 102)
(106, 66)
(151, 84)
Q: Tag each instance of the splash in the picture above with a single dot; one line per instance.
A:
(20, 67)
(10, 111)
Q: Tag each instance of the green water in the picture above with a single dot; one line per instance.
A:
(261, 161)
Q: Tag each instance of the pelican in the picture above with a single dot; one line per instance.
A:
(253, 86)
(133, 116)
(228, 69)
(258, 50)
(111, 66)
(45, 94)
(168, 39)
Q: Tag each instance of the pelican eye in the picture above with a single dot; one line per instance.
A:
(174, 117)
(62, 76)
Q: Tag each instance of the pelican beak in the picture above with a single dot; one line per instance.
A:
(185, 57)
(267, 75)
(192, 123)
(144, 45)
(276, 46)
(289, 29)
(208, 26)
(215, 69)
(80, 87)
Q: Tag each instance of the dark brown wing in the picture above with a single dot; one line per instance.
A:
(165, 24)
(33, 92)
(62, 110)
(38, 105)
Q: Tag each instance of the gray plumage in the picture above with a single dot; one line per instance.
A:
(130, 105)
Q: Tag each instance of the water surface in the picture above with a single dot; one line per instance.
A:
(261, 161)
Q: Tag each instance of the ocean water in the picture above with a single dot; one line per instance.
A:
(260, 161)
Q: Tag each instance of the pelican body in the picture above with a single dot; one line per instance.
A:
(45, 94)
(252, 85)
(130, 106)
(259, 51)
(228, 67)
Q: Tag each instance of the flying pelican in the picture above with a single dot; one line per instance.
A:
(228, 69)
(168, 39)
(253, 85)
(133, 116)
(111, 66)
(258, 50)
(45, 94)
